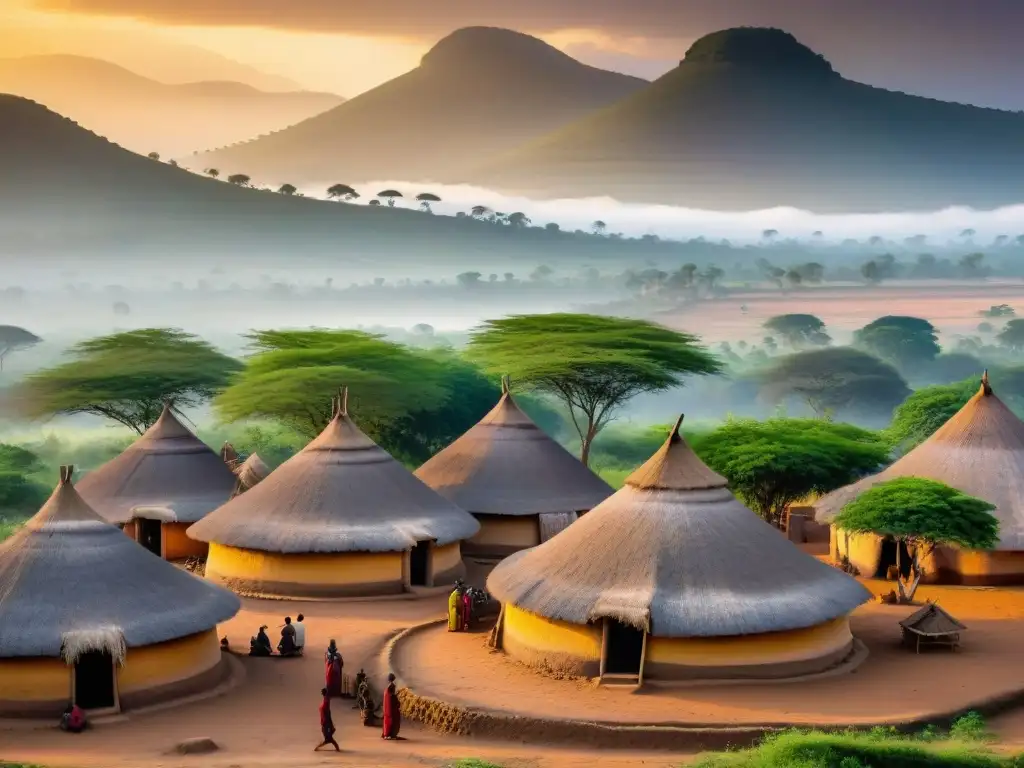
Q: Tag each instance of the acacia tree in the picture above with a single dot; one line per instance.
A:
(905, 342)
(591, 364)
(921, 514)
(919, 416)
(287, 189)
(799, 331)
(13, 338)
(835, 379)
(771, 464)
(425, 199)
(128, 377)
(341, 192)
(239, 180)
(390, 195)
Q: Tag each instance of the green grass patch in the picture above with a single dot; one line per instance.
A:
(8, 525)
(469, 762)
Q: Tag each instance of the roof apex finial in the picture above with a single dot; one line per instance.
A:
(67, 471)
(676, 435)
(506, 384)
(985, 387)
(343, 402)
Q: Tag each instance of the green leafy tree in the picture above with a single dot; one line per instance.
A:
(287, 189)
(12, 339)
(771, 464)
(1012, 335)
(591, 364)
(127, 377)
(213, 173)
(834, 380)
(953, 367)
(239, 179)
(905, 342)
(341, 192)
(390, 195)
(425, 199)
(919, 416)
(799, 331)
(921, 514)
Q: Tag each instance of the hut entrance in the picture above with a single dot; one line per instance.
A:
(419, 564)
(94, 681)
(887, 559)
(623, 649)
(150, 535)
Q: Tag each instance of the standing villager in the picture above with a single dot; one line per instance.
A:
(455, 609)
(287, 645)
(392, 711)
(327, 728)
(334, 664)
(467, 609)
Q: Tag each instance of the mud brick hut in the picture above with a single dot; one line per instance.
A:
(250, 473)
(340, 518)
(161, 484)
(979, 451)
(87, 615)
(672, 578)
(519, 483)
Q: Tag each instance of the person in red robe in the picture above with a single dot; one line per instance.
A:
(333, 666)
(392, 711)
(327, 729)
(73, 719)
(467, 610)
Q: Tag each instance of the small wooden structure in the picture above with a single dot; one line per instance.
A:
(931, 626)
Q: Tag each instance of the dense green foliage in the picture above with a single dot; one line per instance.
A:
(835, 381)
(919, 416)
(904, 342)
(21, 494)
(798, 331)
(1012, 335)
(591, 364)
(771, 464)
(127, 377)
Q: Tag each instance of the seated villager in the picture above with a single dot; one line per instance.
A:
(368, 710)
(334, 665)
(73, 719)
(224, 644)
(287, 646)
(360, 679)
(300, 633)
(260, 645)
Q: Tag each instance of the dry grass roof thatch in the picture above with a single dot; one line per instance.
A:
(70, 580)
(168, 469)
(932, 621)
(251, 472)
(675, 553)
(979, 451)
(507, 465)
(341, 493)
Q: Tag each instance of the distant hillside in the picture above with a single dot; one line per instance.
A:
(66, 192)
(753, 119)
(478, 92)
(145, 115)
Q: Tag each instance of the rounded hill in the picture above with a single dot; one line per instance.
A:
(763, 47)
(469, 49)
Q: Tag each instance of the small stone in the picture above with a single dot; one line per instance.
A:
(199, 746)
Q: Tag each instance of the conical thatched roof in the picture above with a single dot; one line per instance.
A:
(675, 553)
(932, 621)
(979, 451)
(69, 579)
(168, 473)
(251, 472)
(341, 493)
(507, 465)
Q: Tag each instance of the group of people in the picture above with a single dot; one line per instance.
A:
(293, 639)
(392, 716)
(460, 608)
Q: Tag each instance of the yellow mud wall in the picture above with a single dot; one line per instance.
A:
(129, 530)
(157, 665)
(981, 568)
(506, 531)
(446, 559)
(34, 679)
(178, 546)
(345, 571)
(863, 550)
(534, 638)
(751, 650)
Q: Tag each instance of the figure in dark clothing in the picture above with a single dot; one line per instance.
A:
(326, 723)
(260, 645)
(287, 646)
(392, 711)
(73, 719)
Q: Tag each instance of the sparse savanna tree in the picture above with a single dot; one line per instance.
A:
(287, 189)
(13, 338)
(390, 195)
(375, 203)
(425, 199)
(518, 220)
(153, 155)
(341, 192)
(239, 180)
(769, 234)
(480, 212)
(213, 173)
(173, 163)
(599, 227)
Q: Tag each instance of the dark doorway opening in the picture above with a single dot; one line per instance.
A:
(94, 681)
(888, 559)
(150, 535)
(624, 649)
(419, 564)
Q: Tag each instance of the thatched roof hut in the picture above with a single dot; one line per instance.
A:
(168, 474)
(250, 473)
(71, 582)
(507, 465)
(341, 493)
(674, 554)
(979, 451)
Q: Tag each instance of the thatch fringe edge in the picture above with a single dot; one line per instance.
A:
(109, 639)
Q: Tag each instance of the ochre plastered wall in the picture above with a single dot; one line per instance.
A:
(504, 534)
